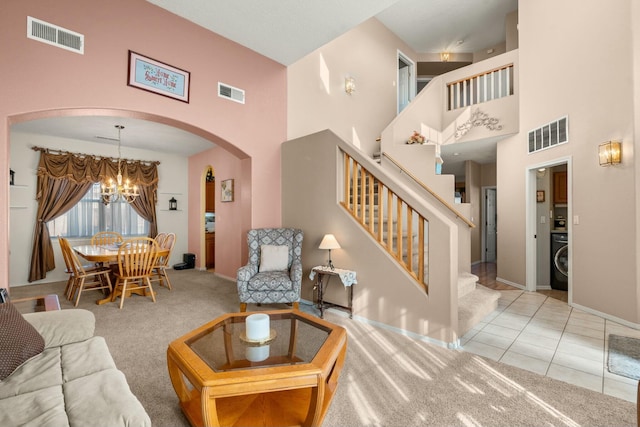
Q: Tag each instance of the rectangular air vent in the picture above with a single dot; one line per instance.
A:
(549, 135)
(55, 35)
(230, 92)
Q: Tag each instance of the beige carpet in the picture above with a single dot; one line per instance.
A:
(388, 379)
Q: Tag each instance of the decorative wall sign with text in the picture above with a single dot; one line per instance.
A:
(155, 76)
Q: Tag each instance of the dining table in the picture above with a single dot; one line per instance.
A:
(108, 254)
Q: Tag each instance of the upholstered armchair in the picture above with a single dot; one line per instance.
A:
(273, 273)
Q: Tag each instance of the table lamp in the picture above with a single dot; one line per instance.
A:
(329, 242)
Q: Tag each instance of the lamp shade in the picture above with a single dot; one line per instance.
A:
(329, 242)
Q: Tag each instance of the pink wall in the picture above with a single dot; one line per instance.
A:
(43, 81)
(230, 229)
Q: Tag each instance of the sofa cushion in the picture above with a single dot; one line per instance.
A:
(85, 358)
(19, 341)
(41, 408)
(103, 398)
(62, 327)
(41, 371)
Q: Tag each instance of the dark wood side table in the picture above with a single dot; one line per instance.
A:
(325, 273)
(39, 303)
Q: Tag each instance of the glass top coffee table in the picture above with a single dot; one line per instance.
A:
(35, 304)
(289, 378)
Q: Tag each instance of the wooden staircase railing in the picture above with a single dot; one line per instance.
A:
(391, 221)
(429, 190)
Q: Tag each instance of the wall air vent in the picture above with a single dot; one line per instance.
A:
(55, 35)
(549, 135)
(230, 92)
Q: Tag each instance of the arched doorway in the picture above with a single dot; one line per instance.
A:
(175, 181)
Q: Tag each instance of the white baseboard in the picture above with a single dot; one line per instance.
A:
(607, 316)
(514, 284)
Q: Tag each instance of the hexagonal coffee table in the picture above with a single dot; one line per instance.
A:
(221, 379)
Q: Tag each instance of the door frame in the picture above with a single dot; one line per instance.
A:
(412, 79)
(532, 218)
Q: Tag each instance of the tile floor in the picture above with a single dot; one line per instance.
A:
(544, 335)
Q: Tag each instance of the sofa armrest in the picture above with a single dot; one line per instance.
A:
(61, 327)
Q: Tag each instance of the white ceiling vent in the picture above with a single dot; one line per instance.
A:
(230, 92)
(55, 35)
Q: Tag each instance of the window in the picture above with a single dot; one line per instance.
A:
(90, 215)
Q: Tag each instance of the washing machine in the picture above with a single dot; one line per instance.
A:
(559, 261)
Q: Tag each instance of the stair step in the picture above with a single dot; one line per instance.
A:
(475, 306)
(466, 283)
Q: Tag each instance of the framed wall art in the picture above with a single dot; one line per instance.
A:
(154, 76)
(540, 196)
(226, 194)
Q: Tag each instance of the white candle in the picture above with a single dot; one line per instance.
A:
(257, 354)
(257, 327)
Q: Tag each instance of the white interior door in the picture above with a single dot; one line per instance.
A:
(490, 225)
(403, 88)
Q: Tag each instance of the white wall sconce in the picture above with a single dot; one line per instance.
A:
(349, 85)
(610, 153)
(329, 242)
(444, 56)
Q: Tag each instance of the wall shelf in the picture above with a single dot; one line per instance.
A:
(175, 194)
(170, 210)
(18, 186)
(18, 207)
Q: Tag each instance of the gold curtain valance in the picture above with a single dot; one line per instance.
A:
(87, 168)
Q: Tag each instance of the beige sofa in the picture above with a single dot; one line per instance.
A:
(73, 382)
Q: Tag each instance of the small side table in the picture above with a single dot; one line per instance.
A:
(35, 304)
(347, 277)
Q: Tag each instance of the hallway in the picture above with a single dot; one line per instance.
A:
(539, 332)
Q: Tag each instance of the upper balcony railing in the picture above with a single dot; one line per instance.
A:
(483, 87)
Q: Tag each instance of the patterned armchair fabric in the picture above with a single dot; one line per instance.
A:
(270, 287)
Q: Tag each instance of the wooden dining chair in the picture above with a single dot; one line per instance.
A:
(160, 269)
(106, 238)
(68, 265)
(136, 259)
(160, 238)
(80, 274)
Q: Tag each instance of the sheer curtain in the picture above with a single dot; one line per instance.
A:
(64, 178)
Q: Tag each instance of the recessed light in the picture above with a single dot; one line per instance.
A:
(456, 154)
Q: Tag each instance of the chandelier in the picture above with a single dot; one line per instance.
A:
(112, 191)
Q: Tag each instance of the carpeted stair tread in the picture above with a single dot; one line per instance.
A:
(474, 306)
(466, 283)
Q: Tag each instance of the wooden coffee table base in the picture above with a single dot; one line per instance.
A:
(279, 408)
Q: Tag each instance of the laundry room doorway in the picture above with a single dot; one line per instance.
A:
(548, 227)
